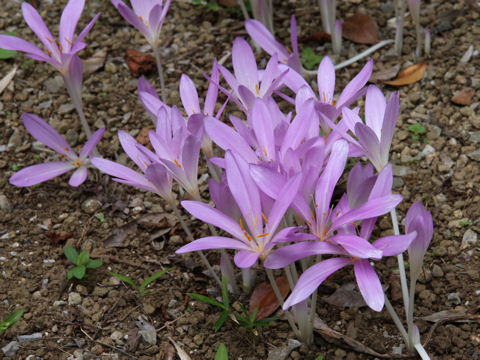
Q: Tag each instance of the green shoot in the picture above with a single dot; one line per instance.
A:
(209, 5)
(309, 59)
(221, 353)
(417, 129)
(100, 217)
(140, 288)
(11, 319)
(15, 167)
(465, 223)
(82, 262)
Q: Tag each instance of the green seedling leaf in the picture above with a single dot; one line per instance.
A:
(207, 300)
(126, 279)
(221, 353)
(15, 167)
(83, 258)
(309, 59)
(226, 300)
(71, 254)
(154, 277)
(417, 128)
(254, 314)
(465, 224)
(93, 264)
(78, 272)
(265, 322)
(7, 54)
(100, 217)
(221, 320)
(11, 319)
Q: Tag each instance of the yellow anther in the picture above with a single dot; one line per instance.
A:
(264, 218)
(338, 213)
(241, 225)
(48, 52)
(257, 89)
(263, 235)
(50, 40)
(255, 222)
(177, 163)
(324, 97)
(68, 41)
(324, 214)
(311, 214)
(63, 155)
(265, 151)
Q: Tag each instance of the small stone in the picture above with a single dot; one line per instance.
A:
(401, 170)
(59, 303)
(176, 240)
(90, 206)
(15, 139)
(65, 108)
(453, 299)
(283, 352)
(74, 298)
(469, 237)
(10, 349)
(437, 271)
(55, 84)
(100, 291)
(29, 338)
(82, 290)
(149, 308)
(474, 155)
(117, 337)
(340, 353)
(198, 339)
(72, 137)
(5, 204)
(148, 336)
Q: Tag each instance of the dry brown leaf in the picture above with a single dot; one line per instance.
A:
(346, 295)
(94, 62)
(385, 74)
(180, 352)
(7, 78)
(463, 97)
(361, 29)
(264, 298)
(118, 238)
(139, 63)
(409, 75)
(319, 37)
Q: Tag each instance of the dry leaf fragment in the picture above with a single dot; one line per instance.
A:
(94, 62)
(119, 235)
(463, 97)
(409, 75)
(138, 62)
(346, 296)
(385, 74)
(320, 37)
(7, 78)
(361, 29)
(180, 352)
(264, 298)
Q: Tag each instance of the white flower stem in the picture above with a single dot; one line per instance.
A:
(190, 236)
(156, 52)
(396, 319)
(421, 351)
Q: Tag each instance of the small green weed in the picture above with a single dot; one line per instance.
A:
(309, 59)
(207, 4)
(417, 130)
(81, 261)
(221, 353)
(11, 319)
(15, 167)
(465, 224)
(140, 288)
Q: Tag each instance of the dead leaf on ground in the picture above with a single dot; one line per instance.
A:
(346, 295)
(409, 75)
(119, 235)
(264, 298)
(180, 352)
(143, 138)
(59, 238)
(7, 78)
(361, 29)
(385, 74)
(94, 62)
(463, 97)
(319, 37)
(139, 63)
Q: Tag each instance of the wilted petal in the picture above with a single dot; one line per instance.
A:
(369, 284)
(312, 278)
(36, 174)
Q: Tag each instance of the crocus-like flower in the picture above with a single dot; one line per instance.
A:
(146, 16)
(259, 234)
(44, 133)
(57, 54)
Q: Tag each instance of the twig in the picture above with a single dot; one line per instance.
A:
(109, 346)
(171, 322)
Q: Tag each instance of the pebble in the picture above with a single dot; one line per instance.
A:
(469, 237)
(100, 291)
(149, 336)
(90, 206)
(15, 139)
(282, 352)
(117, 337)
(10, 349)
(5, 204)
(437, 271)
(401, 170)
(198, 339)
(55, 84)
(474, 155)
(66, 108)
(453, 299)
(176, 240)
(29, 338)
(74, 298)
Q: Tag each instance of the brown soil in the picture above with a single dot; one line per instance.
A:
(36, 223)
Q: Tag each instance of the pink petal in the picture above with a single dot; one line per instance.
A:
(8, 42)
(326, 81)
(375, 109)
(79, 45)
(246, 258)
(79, 176)
(68, 22)
(212, 242)
(369, 284)
(244, 64)
(394, 244)
(265, 39)
(355, 85)
(91, 143)
(189, 96)
(36, 174)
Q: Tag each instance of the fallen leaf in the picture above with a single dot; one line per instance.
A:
(180, 352)
(94, 62)
(7, 78)
(139, 63)
(320, 37)
(385, 74)
(265, 299)
(119, 235)
(409, 75)
(361, 29)
(59, 238)
(463, 97)
(346, 295)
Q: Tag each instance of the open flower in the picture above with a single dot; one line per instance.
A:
(146, 16)
(44, 133)
(58, 54)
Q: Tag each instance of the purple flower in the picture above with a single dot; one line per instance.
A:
(420, 220)
(44, 133)
(254, 238)
(57, 54)
(155, 178)
(146, 16)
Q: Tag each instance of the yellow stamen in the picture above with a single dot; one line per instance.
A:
(264, 218)
(257, 89)
(50, 40)
(311, 214)
(48, 52)
(255, 222)
(324, 97)
(63, 155)
(263, 235)
(241, 225)
(68, 41)
(177, 163)
(338, 213)
(265, 151)
(324, 214)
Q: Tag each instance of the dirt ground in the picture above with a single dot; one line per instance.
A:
(91, 318)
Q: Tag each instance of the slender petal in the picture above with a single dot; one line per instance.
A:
(355, 84)
(312, 278)
(265, 39)
(394, 244)
(158, 175)
(78, 42)
(36, 174)
(262, 126)
(289, 192)
(91, 143)
(79, 176)
(369, 284)
(9, 42)
(189, 95)
(244, 64)
(375, 109)
(326, 80)
(357, 246)
(246, 258)
(68, 22)
(212, 242)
